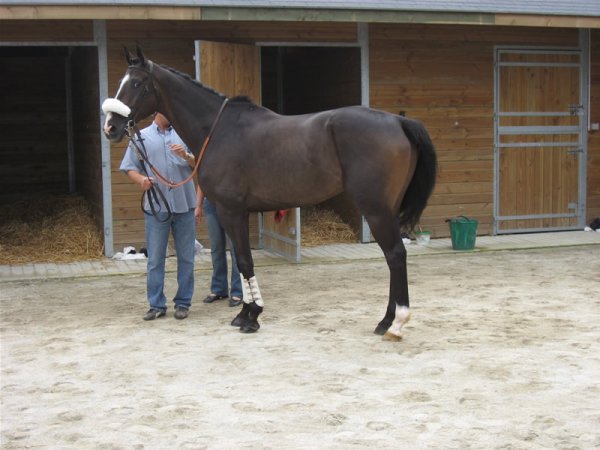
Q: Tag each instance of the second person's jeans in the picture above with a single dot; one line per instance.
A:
(218, 249)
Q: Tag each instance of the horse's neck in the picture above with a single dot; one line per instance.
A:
(190, 107)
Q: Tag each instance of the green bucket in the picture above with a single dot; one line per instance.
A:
(463, 232)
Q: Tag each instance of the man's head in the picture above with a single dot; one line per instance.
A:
(161, 121)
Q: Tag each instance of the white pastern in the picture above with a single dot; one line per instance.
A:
(402, 316)
(251, 291)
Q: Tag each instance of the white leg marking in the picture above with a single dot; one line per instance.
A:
(251, 291)
(402, 316)
(245, 290)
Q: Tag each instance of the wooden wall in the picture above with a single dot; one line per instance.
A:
(440, 74)
(593, 173)
(443, 75)
(86, 129)
(46, 30)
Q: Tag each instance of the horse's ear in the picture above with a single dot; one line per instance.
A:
(140, 55)
(128, 56)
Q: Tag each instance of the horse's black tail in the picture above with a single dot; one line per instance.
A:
(423, 180)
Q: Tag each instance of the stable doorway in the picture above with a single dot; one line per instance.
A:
(540, 140)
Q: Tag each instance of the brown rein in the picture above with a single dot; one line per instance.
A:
(160, 177)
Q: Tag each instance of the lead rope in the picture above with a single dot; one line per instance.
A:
(168, 182)
(132, 130)
(152, 192)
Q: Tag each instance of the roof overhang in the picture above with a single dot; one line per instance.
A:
(210, 13)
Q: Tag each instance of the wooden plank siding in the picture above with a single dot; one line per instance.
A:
(233, 32)
(444, 76)
(593, 164)
(46, 31)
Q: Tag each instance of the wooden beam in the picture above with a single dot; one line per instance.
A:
(99, 12)
(530, 20)
(343, 15)
(71, 12)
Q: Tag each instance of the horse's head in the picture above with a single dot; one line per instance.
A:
(135, 99)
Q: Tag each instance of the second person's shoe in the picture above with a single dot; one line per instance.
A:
(213, 298)
(235, 301)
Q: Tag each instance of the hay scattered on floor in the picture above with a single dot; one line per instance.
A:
(323, 226)
(48, 229)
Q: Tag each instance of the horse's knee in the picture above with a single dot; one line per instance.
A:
(246, 268)
(396, 259)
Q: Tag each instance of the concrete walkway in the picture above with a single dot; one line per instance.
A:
(326, 253)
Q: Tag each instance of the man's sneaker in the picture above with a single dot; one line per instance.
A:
(213, 298)
(181, 312)
(154, 314)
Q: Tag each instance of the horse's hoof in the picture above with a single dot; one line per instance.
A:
(380, 329)
(391, 337)
(250, 327)
(238, 321)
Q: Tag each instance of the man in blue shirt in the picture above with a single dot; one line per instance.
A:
(169, 155)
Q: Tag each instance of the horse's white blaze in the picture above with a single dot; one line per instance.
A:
(108, 117)
(251, 291)
(123, 81)
(402, 316)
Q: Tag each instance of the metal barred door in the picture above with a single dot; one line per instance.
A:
(540, 141)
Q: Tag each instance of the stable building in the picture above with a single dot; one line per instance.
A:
(510, 94)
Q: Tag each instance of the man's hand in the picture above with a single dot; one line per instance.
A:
(180, 151)
(198, 213)
(146, 183)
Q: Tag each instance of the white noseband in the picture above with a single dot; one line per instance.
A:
(112, 105)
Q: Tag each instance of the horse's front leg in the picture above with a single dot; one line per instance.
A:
(237, 228)
(247, 319)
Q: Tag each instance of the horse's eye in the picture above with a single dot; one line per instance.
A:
(136, 84)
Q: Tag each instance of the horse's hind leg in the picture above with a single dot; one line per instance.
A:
(237, 228)
(387, 234)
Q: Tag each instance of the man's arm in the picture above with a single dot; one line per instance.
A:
(144, 181)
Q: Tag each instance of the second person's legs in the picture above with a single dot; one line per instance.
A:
(216, 234)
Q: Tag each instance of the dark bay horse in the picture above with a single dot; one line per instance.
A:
(258, 160)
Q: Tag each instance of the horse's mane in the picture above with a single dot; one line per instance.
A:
(238, 99)
(242, 99)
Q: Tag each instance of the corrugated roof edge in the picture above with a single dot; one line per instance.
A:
(586, 8)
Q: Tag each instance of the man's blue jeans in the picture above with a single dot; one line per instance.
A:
(157, 238)
(218, 249)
